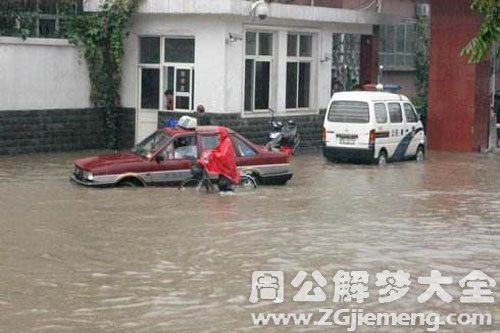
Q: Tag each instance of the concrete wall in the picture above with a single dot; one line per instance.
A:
(458, 92)
(38, 74)
(44, 100)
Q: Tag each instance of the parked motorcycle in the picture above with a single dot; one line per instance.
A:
(283, 136)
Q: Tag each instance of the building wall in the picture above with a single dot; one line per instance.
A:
(219, 66)
(458, 99)
(38, 74)
(405, 79)
(44, 100)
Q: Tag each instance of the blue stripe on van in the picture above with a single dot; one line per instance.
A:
(403, 145)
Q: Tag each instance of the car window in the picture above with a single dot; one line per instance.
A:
(411, 117)
(380, 113)
(151, 144)
(184, 147)
(241, 148)
(348, 112)
(395, 113)
(210, 141)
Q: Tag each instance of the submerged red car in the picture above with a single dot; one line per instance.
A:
(166, 157)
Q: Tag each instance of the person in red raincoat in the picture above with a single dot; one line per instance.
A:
(222, 161)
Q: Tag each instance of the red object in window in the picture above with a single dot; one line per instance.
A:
(222, 159)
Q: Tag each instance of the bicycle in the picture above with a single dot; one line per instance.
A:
(200, 181)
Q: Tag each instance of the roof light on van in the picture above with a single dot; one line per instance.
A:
(379, 87)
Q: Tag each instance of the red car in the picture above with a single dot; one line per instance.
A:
(166, 157)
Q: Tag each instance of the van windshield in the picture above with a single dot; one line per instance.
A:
(349, 112)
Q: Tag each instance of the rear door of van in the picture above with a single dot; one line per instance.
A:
(347, 124)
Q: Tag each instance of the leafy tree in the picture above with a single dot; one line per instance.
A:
(422, 66)
(479, 48)
(100, 36)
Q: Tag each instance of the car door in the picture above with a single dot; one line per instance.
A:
(383, 127)
(413, 129)
(173, 162)
(395, 149)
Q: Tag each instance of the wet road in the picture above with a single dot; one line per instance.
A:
(75, 259)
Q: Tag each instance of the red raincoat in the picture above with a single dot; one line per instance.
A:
(222, 159)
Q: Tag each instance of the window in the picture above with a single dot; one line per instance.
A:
(346, 50)
(395, 113)
(185, 147)
(175, 67)
(241, 148)
(397, 45)
(298, 70)
(38, 18)
(349, 112)
(258, 59)
(410, 115)
(210, 141)
(380, 113)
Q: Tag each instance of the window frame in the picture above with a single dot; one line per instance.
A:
(163, 67)
(256, 57)
(390, 56)
(298, 60)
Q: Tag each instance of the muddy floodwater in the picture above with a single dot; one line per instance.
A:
(76, 259)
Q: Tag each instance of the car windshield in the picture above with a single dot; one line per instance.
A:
(150, 145)
(349, 112)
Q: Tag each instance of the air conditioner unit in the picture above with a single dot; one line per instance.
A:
(423, 9)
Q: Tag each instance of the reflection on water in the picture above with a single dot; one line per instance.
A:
(159, 260)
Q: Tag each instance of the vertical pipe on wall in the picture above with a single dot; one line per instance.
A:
(493, 137)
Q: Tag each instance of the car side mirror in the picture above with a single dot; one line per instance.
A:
(159, 158)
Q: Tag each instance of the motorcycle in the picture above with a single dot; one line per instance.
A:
(283, 136)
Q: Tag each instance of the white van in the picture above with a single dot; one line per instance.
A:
(368, 126)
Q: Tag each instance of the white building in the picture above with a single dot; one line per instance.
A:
(220, 54)
(212, 52)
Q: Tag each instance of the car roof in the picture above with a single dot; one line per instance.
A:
(173, 131)
(368, 96)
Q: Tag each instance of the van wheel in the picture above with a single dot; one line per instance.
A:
(420, 156)
(382, 158)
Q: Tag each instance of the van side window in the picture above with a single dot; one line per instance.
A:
(380, 113)
(411, 117)
(395, 113)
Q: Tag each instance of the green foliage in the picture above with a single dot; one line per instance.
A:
(101, 37)
(479, 48)
(16, 18)
(422, 66)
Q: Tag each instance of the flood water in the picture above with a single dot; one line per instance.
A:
(75, 259)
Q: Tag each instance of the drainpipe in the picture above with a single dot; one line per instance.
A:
(493, 137)
(312, 2)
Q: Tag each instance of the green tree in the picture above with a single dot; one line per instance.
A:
(479, 48)
(422, 66)
(101, 35)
